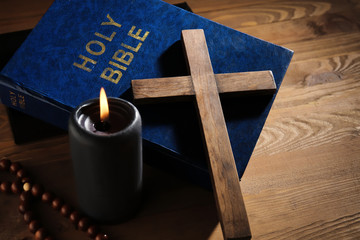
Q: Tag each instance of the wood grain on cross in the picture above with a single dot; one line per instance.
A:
(205, 85)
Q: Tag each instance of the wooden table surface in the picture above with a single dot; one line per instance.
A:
(303, 180)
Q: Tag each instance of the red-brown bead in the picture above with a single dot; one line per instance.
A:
(75, 217)
(101, 236)
(34, 225)
(56, 203)
(37, 190)
(23, 207)
(40, 234)
(92, 231)
(83, 224)
(5, 187)
(25, 196)
(26, 179)
(28, 216)
(14, 167)
(47, 197)
(4, 164)
(21, 174)
(65, 210)
(16, 187)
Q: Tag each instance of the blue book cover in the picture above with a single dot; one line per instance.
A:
(80, 46)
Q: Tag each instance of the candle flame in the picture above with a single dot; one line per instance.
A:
(104, 107)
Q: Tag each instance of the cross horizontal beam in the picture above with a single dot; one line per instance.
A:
(150, 90)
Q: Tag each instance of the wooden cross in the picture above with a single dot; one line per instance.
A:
(205, 85)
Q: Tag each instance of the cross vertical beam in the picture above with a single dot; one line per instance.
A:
(206, 86)
(226, 186)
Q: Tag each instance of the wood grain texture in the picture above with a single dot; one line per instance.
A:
(229, 200)
(325, 46)
(145, 90)
(306, 28)
(17, 15)
(303, 180)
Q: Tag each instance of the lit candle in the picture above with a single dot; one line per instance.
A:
(106, 151)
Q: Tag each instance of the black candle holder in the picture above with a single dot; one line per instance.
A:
(107, 162)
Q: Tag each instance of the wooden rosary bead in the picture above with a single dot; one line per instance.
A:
(83, 224)
(21, 174)
(56, 203)
(101, 236)
(92, 231)
(27, 191)
(28, 216)
(23, 207)
(14, 167)
(5, 164)
(27, 187)
(65, 210)
(26, 179)
(5, 187)
(47, 197)
(16, 187)
(34, 225)
(75, 217)
(37, 190)
(40, 234)
(25, 196)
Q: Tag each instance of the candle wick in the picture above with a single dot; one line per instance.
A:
(102, 126)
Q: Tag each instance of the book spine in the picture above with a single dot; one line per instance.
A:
(18, 98)
(23, 100)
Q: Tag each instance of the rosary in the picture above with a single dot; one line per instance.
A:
(30, 192)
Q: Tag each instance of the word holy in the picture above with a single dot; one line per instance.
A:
(121, 58)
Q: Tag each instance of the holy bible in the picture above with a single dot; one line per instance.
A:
(80, 46)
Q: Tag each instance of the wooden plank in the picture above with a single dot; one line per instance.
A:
(329, 122)
(320, 71)
(283, 21)
(325, 47)
(305, 167)
(17, 15)
(229, 201)
(168, 88)
(307, 28)
(326, 84)
(204, 6)
(328, 209)
(241, 14)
